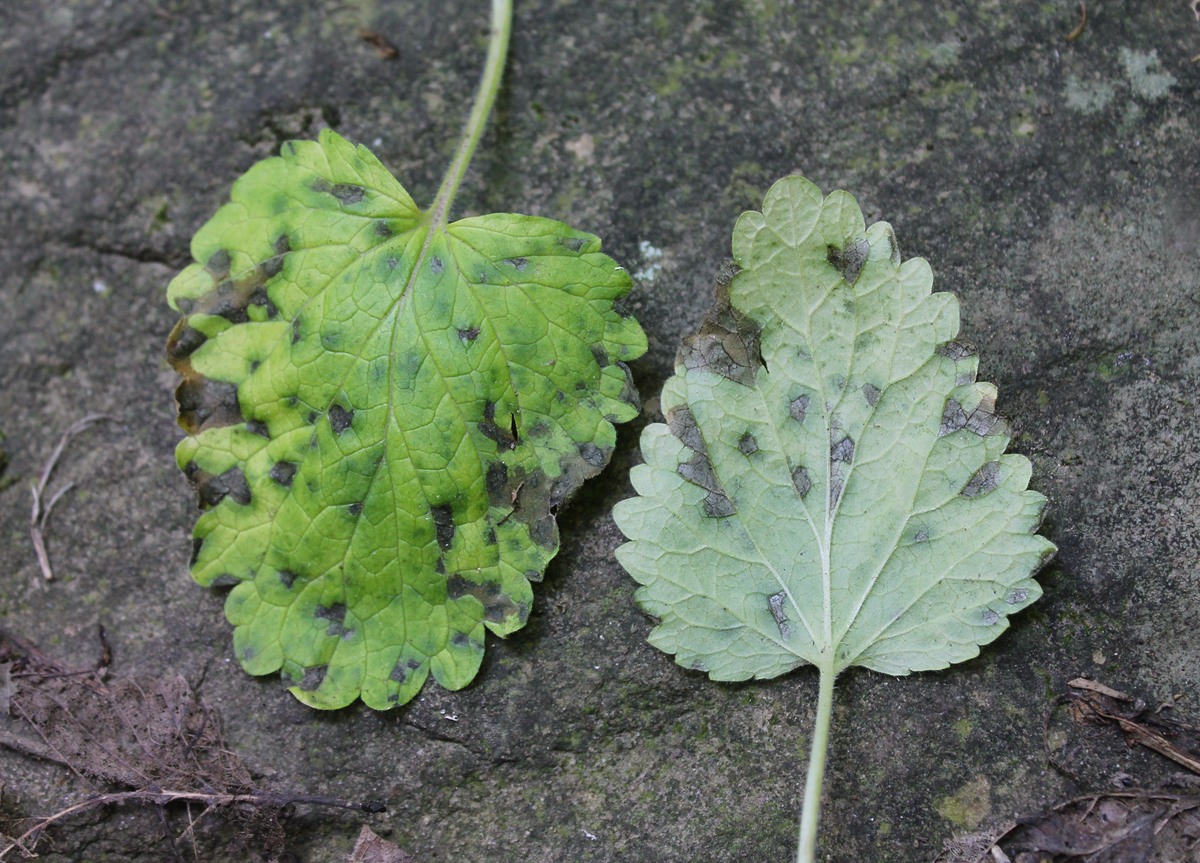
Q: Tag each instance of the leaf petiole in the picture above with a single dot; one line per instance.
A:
(811, 812)
(485, 98)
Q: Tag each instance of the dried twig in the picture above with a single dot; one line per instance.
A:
(39, 516)
(148, 740)
(166, 796)
(1078, 31)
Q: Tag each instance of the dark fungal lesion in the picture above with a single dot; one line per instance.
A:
(336, 616)
(727, 343)
(505, 438)
(776, 603)
(205, 404)
(346, 193)
(283, 472)
(984, 480)
(443, 525)
(497, 606)
(313, 677)
(211, 488)
(801, 481)
(340, 418)
(849, 258)
(698, 470)
(403, 669)
(798, 408)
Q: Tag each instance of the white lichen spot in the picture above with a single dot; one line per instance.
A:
(100, 287)
(583, 148)
(1088, 97)
(652, 257)
(1145, 74)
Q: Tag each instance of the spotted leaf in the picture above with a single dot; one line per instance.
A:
(831, 486)
(385, 413)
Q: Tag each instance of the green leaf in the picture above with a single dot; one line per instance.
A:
(385, 413)
(830, 486)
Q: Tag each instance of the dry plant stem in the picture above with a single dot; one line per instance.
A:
(165, 796)
(39, 515)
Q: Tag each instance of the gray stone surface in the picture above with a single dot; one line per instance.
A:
(1054, 186)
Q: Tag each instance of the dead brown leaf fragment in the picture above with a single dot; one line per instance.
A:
(1125, 825)
(370, 848)
(1091, 703)
(384, 49)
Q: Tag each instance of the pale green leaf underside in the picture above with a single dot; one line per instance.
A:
(844, 500)
(385, 417)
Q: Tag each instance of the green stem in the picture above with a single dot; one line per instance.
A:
(816, 770)
(485, 98)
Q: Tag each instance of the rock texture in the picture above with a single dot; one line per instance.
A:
(1051, 184)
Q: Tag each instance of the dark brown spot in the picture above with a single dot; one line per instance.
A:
(218, 265)
(211, 489)
(459, 639)
(436, 265)
(726, 344)
(468, 334)
(699, 471)
(718, 505)
(798, 408)
(842, 451)
(183, 342)
(287, 578)
(205, 404)
(871, 394)
(601, 356)
(747, 444)
(955, 351)
(383, 229)
(497, 607)
(953, 418)
(496, 482)
(506, 439)
(593, 455)
(544, 532)
(197, 544)
(283, 472)
(986, 479)
(682, 424)
(355, 509)
(258, 427)
(572, 243)
(849, 260)
(314, 675)
(340, 418)
(519, 264)
(802, 481)
(225, 579)
(347, 193)
(295, 330)
(443, 525)
(336, 615)
(775, 603)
